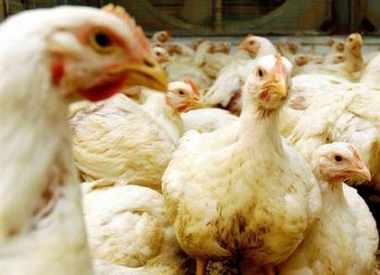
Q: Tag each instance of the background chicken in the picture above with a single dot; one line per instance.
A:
(159, 38)
(352, 66)
(121, 138)
(131, 231)
(72, 52)
(344, 240)
(231, 79)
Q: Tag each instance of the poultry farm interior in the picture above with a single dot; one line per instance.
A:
(262, 156)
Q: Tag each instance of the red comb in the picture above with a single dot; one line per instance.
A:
(120, 12)
(194, 86)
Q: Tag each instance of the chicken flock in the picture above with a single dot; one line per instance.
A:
(123, 155)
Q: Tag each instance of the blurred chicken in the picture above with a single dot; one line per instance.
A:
(180, 50)
(231, 79)
(161, 55)
(344, 240)
(72, 53)
(336, 45)
(222, 188)
(352, 66)
(209, 60)
(288, 49)
(254, 46)
(183, 66)
(121, 138)
(159, 38)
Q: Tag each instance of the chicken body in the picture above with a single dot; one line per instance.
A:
(343, 116)
(131, 231)
(344, 241)
(371, 73)
(121, 138)
(207, 119)
(221, 197)
(42, 229)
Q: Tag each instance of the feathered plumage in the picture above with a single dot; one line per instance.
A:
(71, 53)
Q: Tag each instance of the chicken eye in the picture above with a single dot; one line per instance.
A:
(101, 41)
(260, 73)
(338, 158)
(181, 92)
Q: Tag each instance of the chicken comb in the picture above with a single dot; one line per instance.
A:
(278, 65)
(120, 12)
(194, 86)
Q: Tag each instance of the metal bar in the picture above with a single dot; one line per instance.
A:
(218, 15)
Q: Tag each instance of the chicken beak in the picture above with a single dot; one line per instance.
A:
(147, 73)
(196, 104)
(361, 172)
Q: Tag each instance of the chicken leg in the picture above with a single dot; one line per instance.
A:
(201, 264)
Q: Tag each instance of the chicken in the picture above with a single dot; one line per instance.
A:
(345, 239)
(72, 53)
(210, 61)
(336, 52)
(336, 45)
(120, 138)
(180, 49)
(241, 191)
(230, 79)
(352, 66)
(288, 49)
(161, 55)
(347, 117)
(182, 66)
(343, 116)
(306, 87)
(159, 38)
(133, 230)
(256, 47)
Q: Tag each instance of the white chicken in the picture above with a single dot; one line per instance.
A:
(241, 191)
(161, 55)
(159, 38)
(133, 230)
(352, 66)
(344, 240)
(72, 52)
(210, 61)
(231, 79)
(182, 66)
(352, 117)
(121, 138)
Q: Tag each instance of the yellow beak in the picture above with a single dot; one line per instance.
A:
(278, 86)
(361, 173)
(147, 73)
(196, 104)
